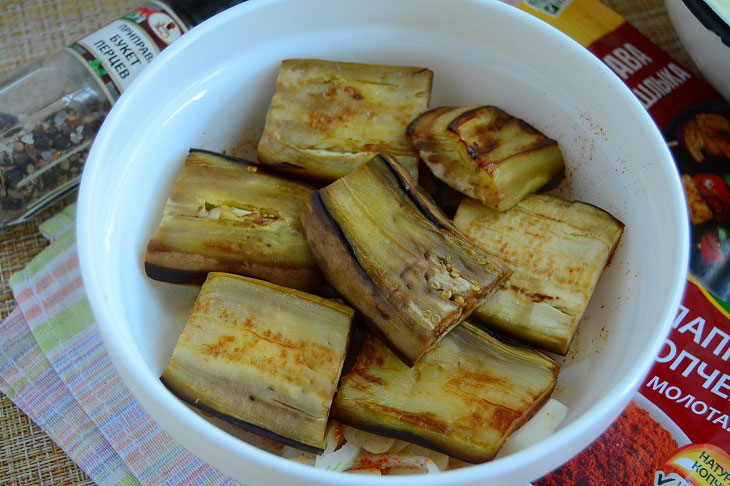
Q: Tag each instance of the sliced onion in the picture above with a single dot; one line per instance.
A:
(289, 452)
(540, 426)
(338, 460)
(432, 467)
(398, 446)
(440, 460)
(388, 461)
(331, 442)
(373, 443)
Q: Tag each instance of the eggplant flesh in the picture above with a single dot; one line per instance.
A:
(229, 215)
(386, 247)
(486, 153)
(557, 250)
(326, 118)
(263, 357)
(464, 397)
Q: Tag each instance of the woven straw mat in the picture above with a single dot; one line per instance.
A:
(31, 29)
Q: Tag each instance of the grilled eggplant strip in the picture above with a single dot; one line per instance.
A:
(557, 249)
(463, 398)
(264, 357)
(229, 215)
(388, 249)
(326, 118)
(485, 153)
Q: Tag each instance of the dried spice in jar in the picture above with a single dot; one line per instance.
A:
(41, 157)
(51, 110)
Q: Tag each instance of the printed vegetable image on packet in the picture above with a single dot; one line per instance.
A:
(676, 431)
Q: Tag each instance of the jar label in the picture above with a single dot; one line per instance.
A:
(119, 51)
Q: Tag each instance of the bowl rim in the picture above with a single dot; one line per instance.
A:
(140, 381)
(710, 19)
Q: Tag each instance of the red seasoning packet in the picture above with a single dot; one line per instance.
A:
(676, 432)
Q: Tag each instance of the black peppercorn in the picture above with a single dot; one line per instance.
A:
(6, 119)
(13, 176)
(20, 158)
(60, 142)
(41, 140)
(31, 153)
(11, 202)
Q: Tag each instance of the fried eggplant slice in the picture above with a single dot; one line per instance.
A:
(557, 250)
(463, 398)
(263, 357)
(326, 118)
(486, 153)
(228, 215)
(388, 249)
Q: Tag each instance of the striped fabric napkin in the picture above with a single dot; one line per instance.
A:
(53, 365)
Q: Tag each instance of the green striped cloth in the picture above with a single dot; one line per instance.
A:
(54, 367)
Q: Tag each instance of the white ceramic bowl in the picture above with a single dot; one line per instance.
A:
(706, 36)
(211, 89)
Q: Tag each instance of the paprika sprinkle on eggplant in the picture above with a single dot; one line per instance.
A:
(628, 453)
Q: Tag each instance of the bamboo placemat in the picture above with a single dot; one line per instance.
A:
(32, 29)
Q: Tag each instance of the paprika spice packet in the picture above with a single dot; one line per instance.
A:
(676, 431)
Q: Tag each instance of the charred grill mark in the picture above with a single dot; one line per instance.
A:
(461, 119)
(423, 420)
(363, 373)
(486, 144)
(419, 124)
(538, 145)
(475, 152)
(501, 118)
(412, 193)
(536, 297)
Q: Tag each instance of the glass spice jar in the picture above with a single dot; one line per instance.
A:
(50, 110)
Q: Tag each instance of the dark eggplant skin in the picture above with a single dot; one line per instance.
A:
(388, 290)
(182, 277)
(247, 426)
(319, 222)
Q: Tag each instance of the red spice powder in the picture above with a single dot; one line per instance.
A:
(628, 453)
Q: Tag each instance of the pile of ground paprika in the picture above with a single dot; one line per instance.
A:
(628, 453)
